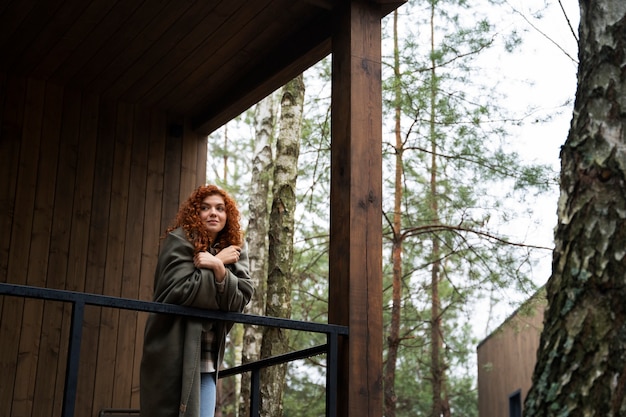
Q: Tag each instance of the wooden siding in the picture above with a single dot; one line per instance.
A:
(87, 186)
(506, 359)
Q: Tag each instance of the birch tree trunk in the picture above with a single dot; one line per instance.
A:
(256, 237)
(580, 368)
(281, 232)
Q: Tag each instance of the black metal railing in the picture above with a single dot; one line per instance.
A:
(79, 300)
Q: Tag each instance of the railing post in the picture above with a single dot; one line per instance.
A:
(73, 358)
(331, 374)
(255, 392)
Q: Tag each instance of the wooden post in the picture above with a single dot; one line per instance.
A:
(356, 206)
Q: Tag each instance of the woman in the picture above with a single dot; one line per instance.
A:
(203, 263)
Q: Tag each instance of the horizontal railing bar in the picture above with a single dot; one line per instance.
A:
(154, 307)
(119, 411)
(274, 360)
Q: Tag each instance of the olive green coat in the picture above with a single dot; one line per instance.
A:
(170, 377)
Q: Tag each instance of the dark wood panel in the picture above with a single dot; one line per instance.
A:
(184, 57)
(217, 48)
(109, 320)
(252, 43)
(158, 53)
(10, 330)
(151, 234)
(46, 340)
(199, 44)
(172, 175)
(190, 177)
(13, 14)
(47, 130)
(96, 256)
(126, 43)
(80, 60)
(61, 116)
(11, 114)
(76, 34)
(30, 50)
(127, 328)
(28, 31)
(131, 57)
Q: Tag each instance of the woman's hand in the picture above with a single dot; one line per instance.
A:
(206, 260)
(229, 255)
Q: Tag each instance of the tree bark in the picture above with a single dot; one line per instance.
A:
(580, 368)
(393, 340)
(281, 232)
(437, 365)
(258, 225)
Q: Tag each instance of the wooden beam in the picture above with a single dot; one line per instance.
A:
(356, 206)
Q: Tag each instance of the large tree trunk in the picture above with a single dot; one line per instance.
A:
(257, 230)
(581, 363)
(281, 232)
(393, 339)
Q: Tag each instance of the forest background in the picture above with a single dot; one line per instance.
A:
(477, 100)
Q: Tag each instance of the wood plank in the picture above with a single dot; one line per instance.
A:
(188, 169)
(77, 33)
(80, 60)
(12, 17)
(20, 244)
(51, 368)
(28, 30)
(127, 65)
(200, 41)
(96, 258)
(45, 37)
(47, 120)
(171, 184)
(79, 236)
(236, 66)
(52, 320)
(11, 114)
(217, 47)
(13, 199)
(122, 48)
(133, 245)
(152, 57)
(285, 62)
(106, 370)
(151, 234)
(356, 207)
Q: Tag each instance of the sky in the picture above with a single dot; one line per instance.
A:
(541, 75)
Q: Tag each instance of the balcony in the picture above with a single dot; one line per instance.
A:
(79, 301)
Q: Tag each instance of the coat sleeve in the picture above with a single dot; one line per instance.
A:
(238, 288)
(178, 281)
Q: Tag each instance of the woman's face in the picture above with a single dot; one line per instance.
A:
(213, 214)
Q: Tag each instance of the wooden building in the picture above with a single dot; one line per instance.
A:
(105, 108)
(506, 361)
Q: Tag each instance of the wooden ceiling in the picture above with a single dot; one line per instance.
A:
(207, 59)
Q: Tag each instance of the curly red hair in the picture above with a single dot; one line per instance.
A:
(188, 218)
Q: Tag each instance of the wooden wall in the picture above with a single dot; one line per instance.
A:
(506, 359)
(87, 187)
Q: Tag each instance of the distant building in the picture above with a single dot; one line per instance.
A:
(506, 360)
